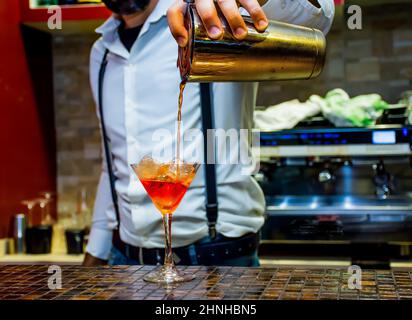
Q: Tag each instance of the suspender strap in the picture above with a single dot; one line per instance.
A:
(105, 138)
(210, 170)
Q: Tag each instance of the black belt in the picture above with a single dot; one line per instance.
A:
(208, 253)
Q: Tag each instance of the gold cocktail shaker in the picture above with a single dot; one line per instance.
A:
(282, 52)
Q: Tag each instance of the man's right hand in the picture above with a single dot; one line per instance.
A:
(90, 261)
(210, 18)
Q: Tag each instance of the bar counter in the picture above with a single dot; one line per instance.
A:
(211, 283)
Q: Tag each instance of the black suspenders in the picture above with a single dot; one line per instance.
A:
(210, 171)
(105, 138)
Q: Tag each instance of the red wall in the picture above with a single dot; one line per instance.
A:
(25, 167)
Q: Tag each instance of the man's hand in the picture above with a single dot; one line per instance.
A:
(90, 261)
(208, 13)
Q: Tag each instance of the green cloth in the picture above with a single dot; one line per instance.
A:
(341, 110)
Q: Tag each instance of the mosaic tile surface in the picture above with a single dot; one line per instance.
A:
(126, 282)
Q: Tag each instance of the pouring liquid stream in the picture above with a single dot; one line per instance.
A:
(179, 125)
(181, 61)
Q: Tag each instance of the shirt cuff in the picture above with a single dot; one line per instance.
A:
(100, 243)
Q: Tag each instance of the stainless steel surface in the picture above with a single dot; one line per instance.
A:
(303, 206)
(338, 192)
(383, 180)
(342, 205)
(335, 142)
(335, 150)
(353, 177)
(19, 233)
(283, 51)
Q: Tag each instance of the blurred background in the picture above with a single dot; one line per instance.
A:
(336, 171)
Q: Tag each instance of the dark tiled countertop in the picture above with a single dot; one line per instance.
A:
(126, 282)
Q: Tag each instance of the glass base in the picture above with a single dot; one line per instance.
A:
(168, 275)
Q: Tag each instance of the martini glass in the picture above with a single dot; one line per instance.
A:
(166, 183)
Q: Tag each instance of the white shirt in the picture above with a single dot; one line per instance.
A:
(139, 97)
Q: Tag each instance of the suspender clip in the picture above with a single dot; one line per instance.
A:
(212, 231)
(211, 212)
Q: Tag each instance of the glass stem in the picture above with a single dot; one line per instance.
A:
(167, 224)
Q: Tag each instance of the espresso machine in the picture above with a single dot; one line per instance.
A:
(338, 192)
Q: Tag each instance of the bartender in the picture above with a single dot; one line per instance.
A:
(135, 84)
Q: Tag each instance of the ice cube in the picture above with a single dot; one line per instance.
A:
(175, 170)
(146, 168)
